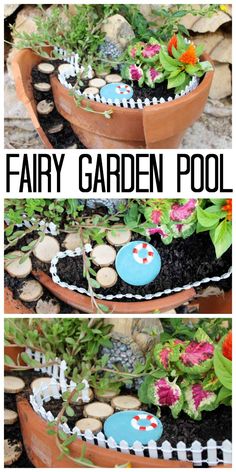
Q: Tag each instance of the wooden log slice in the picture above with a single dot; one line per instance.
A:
(42, 86)
(56, 128)
(103, 255)
(113, 78)
(91, 90)
(47, 307)
(46, 68)
(45, 107)
(125, 402)
(80, 401)
(42, 382)
(46, 249)
(12, 452)
(91, 424)
(66, 68)
(13, 384)
(98, 83)
(105, 396)
(31, 291)
(107, 277)
(118, 237)
(17, 269)
(72, 241)
(98, 410)
(10, 416)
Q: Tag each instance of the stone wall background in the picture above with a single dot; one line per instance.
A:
(213, 130)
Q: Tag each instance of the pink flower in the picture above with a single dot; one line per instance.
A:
(182, 212)
(151, 50)
(156, 216)
(135, 72)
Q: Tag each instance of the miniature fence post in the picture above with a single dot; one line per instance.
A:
(89, 436)
(77, 431)
(167, 450)
(55, 371)
(152, 449)
(227, 451)
(197, 452)
(63, 383)
(124, 447)
(101, 439)
(37, 356)
(138, 448)
(43, 369)
(112, 444)
(212, 452)
(181, 451)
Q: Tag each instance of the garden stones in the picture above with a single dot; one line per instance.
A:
(46, 68)
(31, 291)
(45, 107)
(42, 86)
(12, 452)
(10, 416)
(113, 78)
(98, 83)
(13, 384)
(103, 255)
(90, 424)
(98, 410)
(17, 269)
(134, 425)
(118, 235)
(116, 91)
(125, 402)
(106, 277)
(46, 249)
(138, 263)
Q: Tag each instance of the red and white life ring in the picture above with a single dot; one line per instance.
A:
(143, 260)
(135, 422)
(123, 89)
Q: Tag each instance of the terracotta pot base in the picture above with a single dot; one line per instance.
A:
(14, 306)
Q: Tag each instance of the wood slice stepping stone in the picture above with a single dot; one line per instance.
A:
(46, 68)
(10, 416)
(12, 451)
(17, 269)
(31, 291)
(105, 396)
(98, 410)
(72, 241)
(56, 128)
(98, 83)
(13, 384)
(47, 307)
(42, 382)
(107, 277)
(91, 91)
(46, 249)
(45, 107)
(125, 402)
(80, 401)
(118, 236)
(113, 78)
(42, 86)
(66, 68)
(92, 424)
(103, 255)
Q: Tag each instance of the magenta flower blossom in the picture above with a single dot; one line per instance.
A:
(151, 50)
(182, 212)
(136, 72)
(156, 216)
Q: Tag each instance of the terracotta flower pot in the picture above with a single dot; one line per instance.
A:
(157, 126)
(13, 352)
(83, 302)
(14, 306)
(43, 451)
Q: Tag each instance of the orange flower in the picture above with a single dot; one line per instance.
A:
(227, 346)
(189, 56)
(228, 208)
(172, 42)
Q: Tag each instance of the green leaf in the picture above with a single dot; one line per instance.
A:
(69, 411)
(207, 219)
(221, 237)
(223, 367)
(176, 81)
(8, 360)
(168, 62)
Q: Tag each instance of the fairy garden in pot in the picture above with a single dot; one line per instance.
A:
(131, 393)
(103, 76)
(118, 256)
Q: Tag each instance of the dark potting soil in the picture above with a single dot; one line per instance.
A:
(183, 262)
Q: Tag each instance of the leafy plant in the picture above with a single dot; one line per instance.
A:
(223, 367)
(217, 219)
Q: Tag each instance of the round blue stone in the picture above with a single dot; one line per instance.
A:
(116, 91)
(133, 425)
(138, 263)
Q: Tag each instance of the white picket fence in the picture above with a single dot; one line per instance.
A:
(212, 453)
(74, 58)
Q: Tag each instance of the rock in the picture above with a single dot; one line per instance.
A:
(223, 51)
(200, 24)
(218, 109)
(10, 9)
(221, 84)
(118, 30)
(210, 40)
(25, 20)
